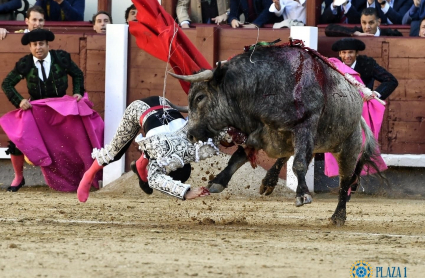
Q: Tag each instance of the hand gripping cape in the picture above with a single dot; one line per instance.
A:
(58, 135)
(158, 34)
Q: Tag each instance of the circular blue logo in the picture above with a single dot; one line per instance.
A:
(361, 269)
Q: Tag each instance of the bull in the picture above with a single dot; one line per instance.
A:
(288, 101)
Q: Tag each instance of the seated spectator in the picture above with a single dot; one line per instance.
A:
(99, 20)
(62, 10)
(369, 70)
(422, 28)
(370, 27)
(390, 12)
(414, 15)
(34, 19)
(130, 14)
(337, 11)
(214, 11)
(290, 9)
(256, 13)
(6, 13)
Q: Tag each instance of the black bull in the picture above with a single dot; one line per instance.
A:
(287, 101)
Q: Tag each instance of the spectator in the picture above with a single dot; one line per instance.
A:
(369, 70)
(422, 28)
(34, 19)
(7, 7)
(6, 13)
(337, 11)
(390, 12)
(370, 27)
(414, 16)
(290, 9)
(214, 11)
(62, 10)
(130, 14)
(46, 73)
(100, 20)
(256, 13)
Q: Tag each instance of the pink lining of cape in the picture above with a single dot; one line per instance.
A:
(57, 134)
(373, 113)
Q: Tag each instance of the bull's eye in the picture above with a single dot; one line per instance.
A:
(199, 98)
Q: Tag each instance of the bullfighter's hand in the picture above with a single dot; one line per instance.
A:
(25, 104)
(372, 96)
(219, 19)
(236, 23)
(360, 34)
(196, 192)
(3, 33)
(277, 4)
(78, 96)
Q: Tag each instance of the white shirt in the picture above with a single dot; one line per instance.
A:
(291, 9)
(46, 65)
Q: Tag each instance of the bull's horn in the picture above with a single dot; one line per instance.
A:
(202, 76)
(183, 109)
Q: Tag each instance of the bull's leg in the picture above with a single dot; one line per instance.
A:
(220, 182)
(347, 160)
(270, 180)
(303, 154)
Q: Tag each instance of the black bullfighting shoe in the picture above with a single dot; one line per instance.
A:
(16, 188)
(144, 185)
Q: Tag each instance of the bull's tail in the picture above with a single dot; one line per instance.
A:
(369, 154)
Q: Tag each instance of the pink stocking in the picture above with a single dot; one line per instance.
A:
(83, 190)
(18, 166)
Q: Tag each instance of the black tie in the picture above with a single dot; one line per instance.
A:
(43, 71)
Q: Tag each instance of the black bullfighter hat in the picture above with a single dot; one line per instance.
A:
(348, 44)
(37, 35)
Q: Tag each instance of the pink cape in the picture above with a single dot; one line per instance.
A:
(373, 113)
(57, 134)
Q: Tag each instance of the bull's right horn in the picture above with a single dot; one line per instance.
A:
(202, 76)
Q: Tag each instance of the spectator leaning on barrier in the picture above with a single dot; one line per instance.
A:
(212, 11)
(46, 73)
(370, 27)
(99, 20)
(369, 70)
(256, 13)
(390, 11)
(6, 13)
(130, 14)
(62, 10)
(34, 19)
(340, 11)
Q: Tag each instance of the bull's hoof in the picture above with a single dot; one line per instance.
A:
(307, 199)
(215, 188)
(299, 201)
(266, 190)
(337, 220)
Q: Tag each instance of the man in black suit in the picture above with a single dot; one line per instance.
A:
(349, 12)
(390, 11)
(369, 70)
(370, 27)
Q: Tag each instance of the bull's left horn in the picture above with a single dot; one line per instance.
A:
(202, 76)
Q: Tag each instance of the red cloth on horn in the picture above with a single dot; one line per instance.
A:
(154, 31)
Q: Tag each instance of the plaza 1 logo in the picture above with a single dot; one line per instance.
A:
(362, 269)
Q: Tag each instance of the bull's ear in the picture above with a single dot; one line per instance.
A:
(219, 73)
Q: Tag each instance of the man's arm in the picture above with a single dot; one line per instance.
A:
(388, 82)
(8, 87)
(396, 16)
(73, 9)
(10, 6)
(77, 79)
(182, 9)
(334, 30)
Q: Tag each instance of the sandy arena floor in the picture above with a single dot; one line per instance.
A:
(121, 232)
